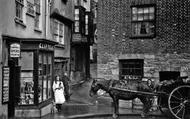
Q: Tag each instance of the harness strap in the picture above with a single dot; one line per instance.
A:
(110, 84)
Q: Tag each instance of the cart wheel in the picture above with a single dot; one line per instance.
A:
(179, 102)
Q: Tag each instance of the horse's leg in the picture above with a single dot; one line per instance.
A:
(146, 105)
(116, 107)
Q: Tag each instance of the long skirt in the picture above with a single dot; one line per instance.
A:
(59, 96)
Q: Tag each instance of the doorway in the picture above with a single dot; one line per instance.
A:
(168, 75)
(14, 86)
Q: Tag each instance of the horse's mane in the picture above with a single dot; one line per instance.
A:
(104, 83)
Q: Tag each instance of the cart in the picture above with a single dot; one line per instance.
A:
(173, 95)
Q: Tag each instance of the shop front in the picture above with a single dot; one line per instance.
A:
(31, 77)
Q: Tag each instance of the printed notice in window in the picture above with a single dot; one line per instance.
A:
(5, 85)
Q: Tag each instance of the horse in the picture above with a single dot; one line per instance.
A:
(116, 95)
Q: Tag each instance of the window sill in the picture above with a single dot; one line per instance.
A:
(19, 21)
(32, 15)
(60, 45)
(38, 30)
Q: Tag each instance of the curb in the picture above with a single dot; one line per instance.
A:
(108, 115)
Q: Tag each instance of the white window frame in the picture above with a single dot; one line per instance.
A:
(39, 25)
(30, 8)
(59, 33)
(20, 16)
(143, 21)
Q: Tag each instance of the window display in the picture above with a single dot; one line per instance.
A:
(27, 83)
(45, 76)
(43, 86)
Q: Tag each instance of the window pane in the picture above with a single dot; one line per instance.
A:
(60, 29)
(151, 28)
(76, 14)
(143, 29)
(140, 10)
(134, 17)
(56, 27)
(27, 61)
(45, 88)
(76, 26)
(49, 87)
(146, 10)
(134, 10)
(140, 17)
(40, 65)
(56, 37)
(151, 10)
(146, 16)
(37, 21)
(40, 81)
(26, 88)
(151, 16)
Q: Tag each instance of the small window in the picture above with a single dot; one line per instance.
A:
(131, 68)
(143, 21)
(19, 9)
(59, 32)
(86, 24)
(37, 13)
(76, 26)
(30, 8)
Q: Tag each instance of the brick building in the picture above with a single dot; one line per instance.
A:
(143, 38)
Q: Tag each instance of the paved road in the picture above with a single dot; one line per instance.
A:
(108, 117)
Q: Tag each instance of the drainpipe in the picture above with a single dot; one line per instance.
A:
(45, 19)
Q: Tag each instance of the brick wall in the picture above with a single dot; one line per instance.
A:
(168, 51)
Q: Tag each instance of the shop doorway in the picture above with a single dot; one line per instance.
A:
(14, 86)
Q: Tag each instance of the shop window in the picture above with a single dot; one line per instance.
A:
(143, 21)
(131, 68)
(27, 82)
(45, 66)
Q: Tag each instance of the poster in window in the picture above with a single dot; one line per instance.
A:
(5, 84)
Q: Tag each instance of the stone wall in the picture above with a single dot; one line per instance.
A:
(153, 64)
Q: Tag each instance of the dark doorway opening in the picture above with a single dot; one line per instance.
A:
(14, 86)
(168, 75)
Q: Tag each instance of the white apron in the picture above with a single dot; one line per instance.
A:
(59, 92)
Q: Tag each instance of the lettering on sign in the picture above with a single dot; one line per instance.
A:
(46, 46)
(15, 50)
(5, 84)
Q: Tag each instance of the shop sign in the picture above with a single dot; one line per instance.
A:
(5, 84)
(46, 46)
(77, 37)
(15, 50)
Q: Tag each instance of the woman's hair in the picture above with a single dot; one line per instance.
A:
(56, 77)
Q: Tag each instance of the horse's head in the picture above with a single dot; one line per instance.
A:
(94, 87)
